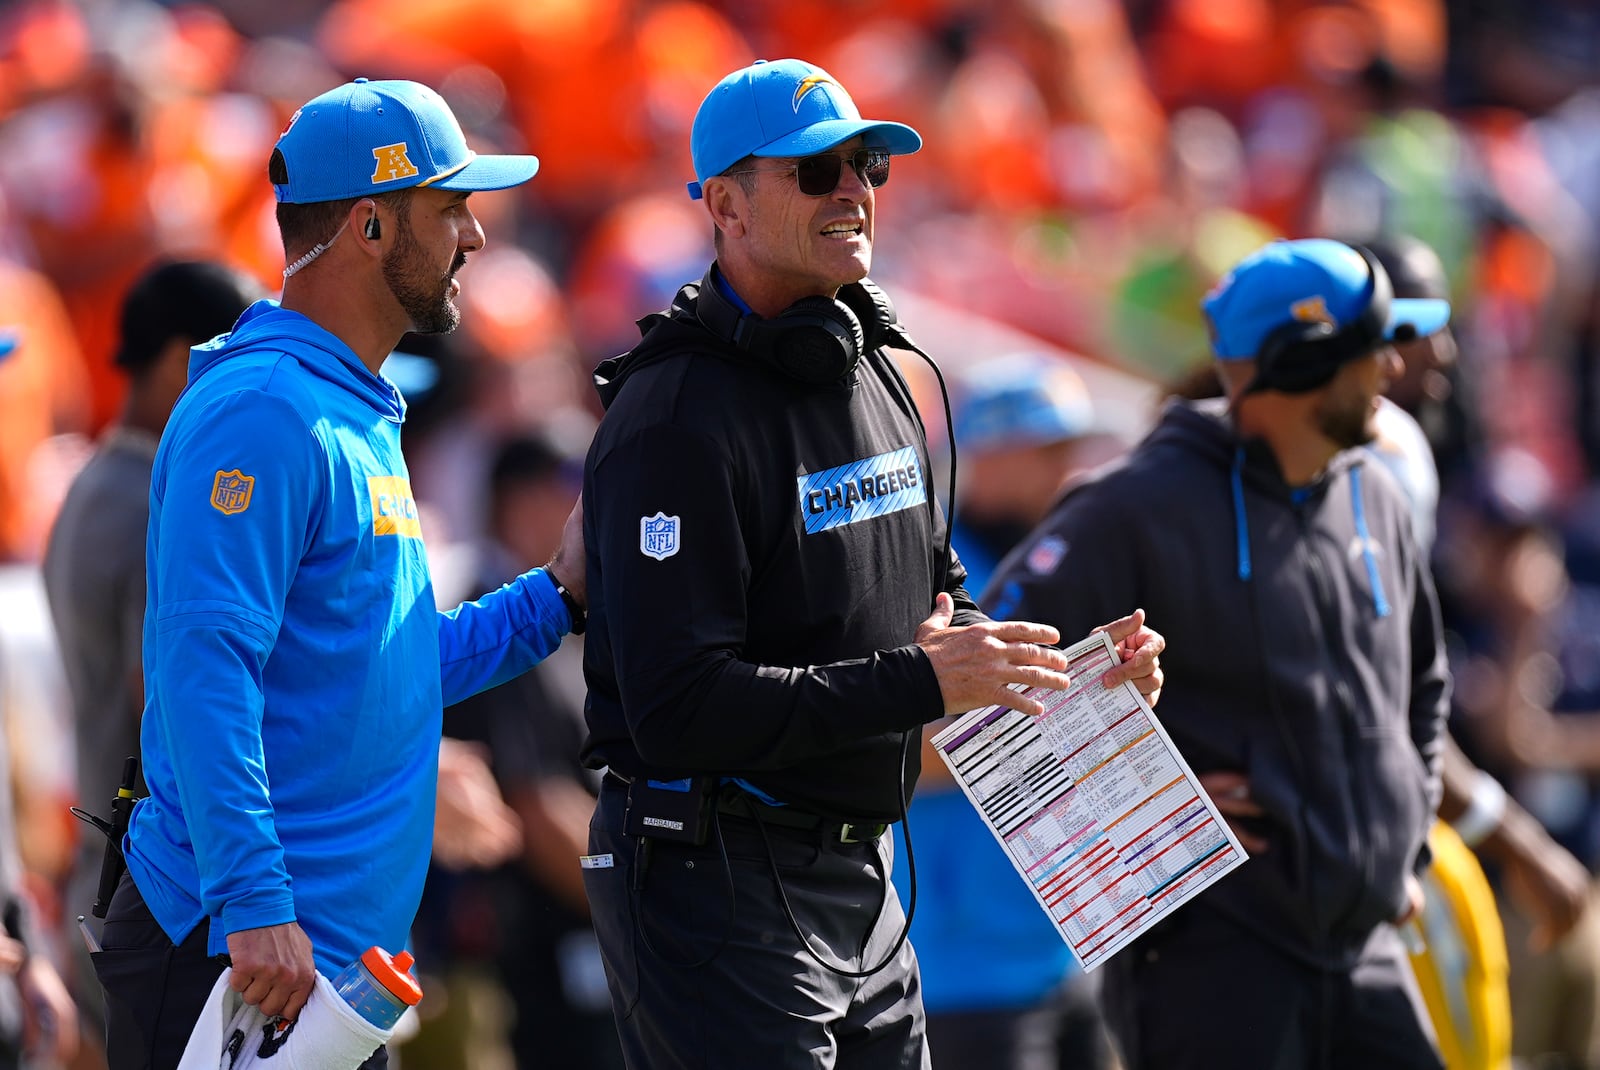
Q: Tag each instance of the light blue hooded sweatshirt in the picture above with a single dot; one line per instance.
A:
(295, 664)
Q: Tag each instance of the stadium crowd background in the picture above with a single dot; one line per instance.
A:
(1091, 166)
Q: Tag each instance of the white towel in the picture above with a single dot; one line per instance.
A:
(232, 1035)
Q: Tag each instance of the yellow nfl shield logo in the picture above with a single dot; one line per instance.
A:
(230, 493)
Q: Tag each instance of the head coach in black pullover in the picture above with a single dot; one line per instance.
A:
(774, 614)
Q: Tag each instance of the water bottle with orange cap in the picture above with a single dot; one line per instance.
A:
(380, 988)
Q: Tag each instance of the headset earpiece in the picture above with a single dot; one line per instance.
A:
(1299, 357)
(1290, 360)
(372, 230)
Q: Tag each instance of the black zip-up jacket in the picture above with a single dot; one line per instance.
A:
(760, 553)
(1284, 660)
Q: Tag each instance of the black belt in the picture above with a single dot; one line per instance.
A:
(737, 802)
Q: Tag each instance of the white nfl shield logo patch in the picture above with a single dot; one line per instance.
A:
(658, 536)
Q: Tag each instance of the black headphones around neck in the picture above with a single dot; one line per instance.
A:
(1304, 355)
(817, 340)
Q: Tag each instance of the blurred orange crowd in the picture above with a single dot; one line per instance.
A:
(1091, 167)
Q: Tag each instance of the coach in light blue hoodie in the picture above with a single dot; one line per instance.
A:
(295, 664)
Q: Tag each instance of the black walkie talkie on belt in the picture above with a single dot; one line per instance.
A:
(111, 864)
(677, 810)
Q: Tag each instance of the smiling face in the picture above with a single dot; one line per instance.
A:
(434, 232)
(779, 245)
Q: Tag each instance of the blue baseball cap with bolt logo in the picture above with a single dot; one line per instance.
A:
(787, 107)
(370, 137)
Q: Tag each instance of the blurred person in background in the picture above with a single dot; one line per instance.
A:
(1000, 986)
(526, 923)
(1522, 623)
(289, 596)
(42, 394)
(1540, 874)
(94, 564)
(1432, 387)
(461, 1024)
(1311, 689)
(473, 828)
(764, 651)
(1459, 948)
(38, 1015)
(511, 370)
(38, 1018)
(1518, 589)
(1024, 425)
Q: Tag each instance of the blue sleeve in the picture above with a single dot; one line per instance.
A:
(236, 501)
(502, 635)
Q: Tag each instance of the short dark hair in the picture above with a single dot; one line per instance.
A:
(305, 225)
(192, 299)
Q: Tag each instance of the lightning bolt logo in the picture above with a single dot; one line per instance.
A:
(810, 82)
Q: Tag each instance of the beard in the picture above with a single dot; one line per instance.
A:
(424, 296)
(1346, 421)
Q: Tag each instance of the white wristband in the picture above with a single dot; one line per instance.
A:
(1484, 810)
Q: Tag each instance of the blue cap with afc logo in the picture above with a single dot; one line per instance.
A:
(372, 137)
(1309, 280)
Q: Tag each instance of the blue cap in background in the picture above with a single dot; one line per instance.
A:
(784, 108)
(1309, 280)
(1023, 399)
(372, 137)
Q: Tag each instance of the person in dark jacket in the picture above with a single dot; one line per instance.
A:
(774, 613)
(1308, 683)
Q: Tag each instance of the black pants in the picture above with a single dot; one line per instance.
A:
(1204, 993)
(760, 1000)
(155, 989)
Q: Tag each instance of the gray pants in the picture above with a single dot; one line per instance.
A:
(760, 1000)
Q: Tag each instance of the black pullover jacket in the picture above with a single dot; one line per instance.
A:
(761, 551)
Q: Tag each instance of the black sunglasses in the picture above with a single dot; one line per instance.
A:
(818, 175)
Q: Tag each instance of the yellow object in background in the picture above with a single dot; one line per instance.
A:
(1463, 968)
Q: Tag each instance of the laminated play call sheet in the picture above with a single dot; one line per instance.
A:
(1094, 805)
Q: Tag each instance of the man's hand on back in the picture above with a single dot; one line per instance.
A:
(567, 566)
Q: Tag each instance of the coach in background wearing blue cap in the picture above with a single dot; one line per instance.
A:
(295, 665)
(1308, 683)
(775, 614)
